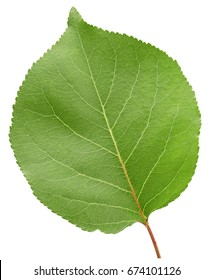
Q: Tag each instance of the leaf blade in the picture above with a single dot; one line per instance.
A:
(103, 111)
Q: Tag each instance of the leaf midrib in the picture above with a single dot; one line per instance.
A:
(144, 218)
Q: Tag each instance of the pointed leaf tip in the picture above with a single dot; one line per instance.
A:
(74, 16)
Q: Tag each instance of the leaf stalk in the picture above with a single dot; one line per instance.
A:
(153, 240)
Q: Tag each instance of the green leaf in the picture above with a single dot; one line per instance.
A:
(105, 128)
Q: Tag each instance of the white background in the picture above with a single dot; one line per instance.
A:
(31, 235)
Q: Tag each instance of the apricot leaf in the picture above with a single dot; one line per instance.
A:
(105, 129)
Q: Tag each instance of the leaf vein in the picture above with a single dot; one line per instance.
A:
(71, 168)
(70, 85)
(91, 203)
(113, 78)
(111, 133)
(129, 97)
(73, 131)
(148, 120)
(166, 187)
(161, 155)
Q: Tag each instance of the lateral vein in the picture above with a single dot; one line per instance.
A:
(148, 121)
(162, 153)
(71, 168)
